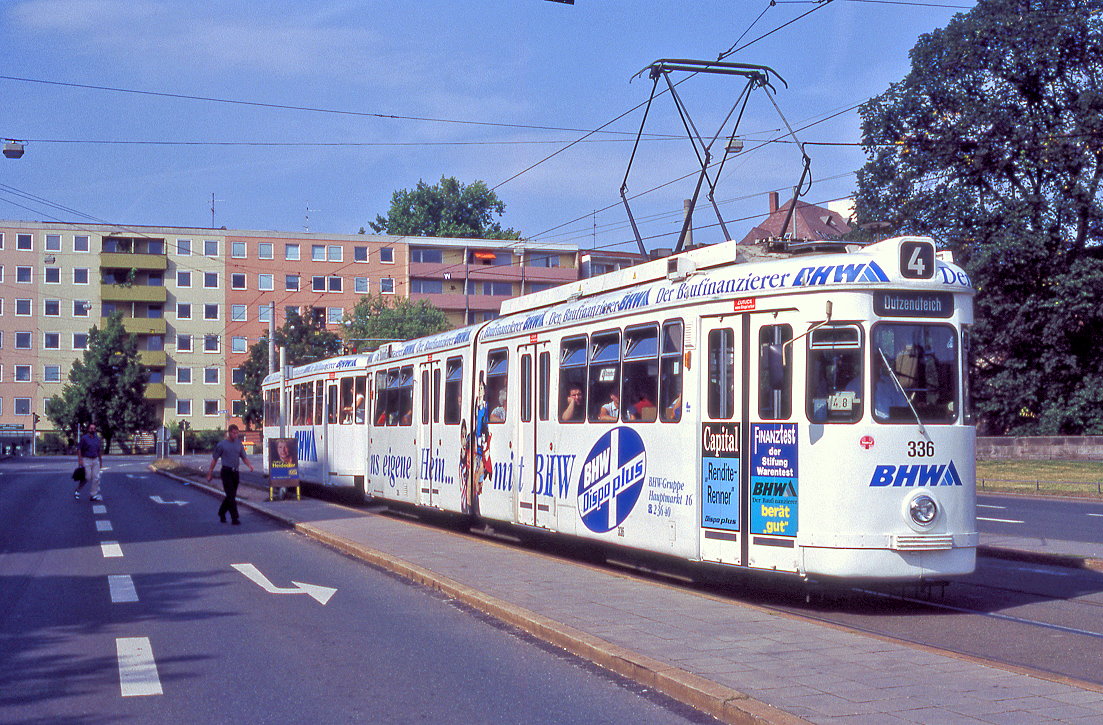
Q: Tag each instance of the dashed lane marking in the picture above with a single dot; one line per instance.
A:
(137, 668)
(103, 525)
(1000, 521)
(122, 589)
(99, 509)
(111, 549)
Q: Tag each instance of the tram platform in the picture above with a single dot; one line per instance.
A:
(737, 662)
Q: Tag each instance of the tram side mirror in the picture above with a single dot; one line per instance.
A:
(775, 364)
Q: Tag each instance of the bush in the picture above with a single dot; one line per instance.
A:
(53, 443)
(203, 441)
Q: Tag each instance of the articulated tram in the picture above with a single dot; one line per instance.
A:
(806, 414)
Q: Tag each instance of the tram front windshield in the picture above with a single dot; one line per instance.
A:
(916, 364)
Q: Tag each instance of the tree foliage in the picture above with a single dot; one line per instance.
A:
(448, 209)
(106, 387)
(993, 145)
(375, 320)
(306, 339)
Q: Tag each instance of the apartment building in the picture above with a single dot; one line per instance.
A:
(197, 299)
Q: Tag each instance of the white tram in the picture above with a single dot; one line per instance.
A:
(807, 414)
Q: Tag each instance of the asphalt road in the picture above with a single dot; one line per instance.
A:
(164, 626)
(1051, 518)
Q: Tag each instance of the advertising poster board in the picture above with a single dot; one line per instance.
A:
(283, 462)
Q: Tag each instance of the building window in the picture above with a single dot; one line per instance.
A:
(542, 259)
(386, 286)
(210, 311)
(291, 283)
(53, 242)
(288, 310)
(237, 376)
(23, 308)
(183, 407)
(426, 255)
(318, 283)
(81, 308)
(210, 248)
(23, 274)
(183, 376)
(334, 315)
(360, 254)
(107, 309)
(291, 252)
(264, 282)
(360, 285)
(183, 310)
(264, 250)
(237, 280)
(51, 374)
(335, 253)
(80, 243)
(210, 343)
(237, 250)
(183, 247)
(22, 373)
(264, 313)
(386, 255)
(427, 286)
(210, 376)
(53, 275)
(51, 340)
(183, 279)
(80, 340)
(497, 288)
(24, 242)
(210, 280)
(317, 252)
(80, 275)
(183, 343)
(22, 406)
(22, 341)
(238, 343)
(210, 407)
(335, 284)
(51, 308)
(238, 313)
(238, 407)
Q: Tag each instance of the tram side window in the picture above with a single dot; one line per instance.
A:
(271, 407)
(380, 416)
(604, 384)
(916, 364)
(572, 380)
(835, 374)
(405, 395)
(347, 385)
(641, 373)
(453, 390)
(361, 398)
(968, 414)
(543, 382)
(331, 401)
(436, 395)
(670, 374)
(296, 405)
(775, 372)
(721, 355)
(425, 397)
(526, 388)
(497, 379)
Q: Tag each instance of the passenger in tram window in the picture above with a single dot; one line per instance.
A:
(610, 412)
(643, 409)
(360, 408)
(575, 408)
(498, 415)
(673, 412)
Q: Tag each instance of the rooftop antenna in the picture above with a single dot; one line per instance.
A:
(213, 200)
(306, 217)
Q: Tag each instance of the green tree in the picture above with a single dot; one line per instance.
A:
(993, 145)
(448, 209)
(376, 319)
(106, 387)
(306, 339)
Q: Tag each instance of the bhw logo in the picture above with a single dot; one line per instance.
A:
(917, 475)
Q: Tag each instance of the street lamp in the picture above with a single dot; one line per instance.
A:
(13, 149)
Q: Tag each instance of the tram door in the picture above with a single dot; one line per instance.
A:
(328, 427)
(723, 392)
(429, 458)
(535, 502)
(770, 457)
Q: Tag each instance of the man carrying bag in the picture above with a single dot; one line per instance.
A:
(89, 463)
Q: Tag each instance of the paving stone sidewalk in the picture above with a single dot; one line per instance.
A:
(739, 663)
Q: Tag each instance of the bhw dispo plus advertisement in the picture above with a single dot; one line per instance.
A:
(774, 479)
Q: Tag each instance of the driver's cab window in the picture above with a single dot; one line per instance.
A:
(835, 374)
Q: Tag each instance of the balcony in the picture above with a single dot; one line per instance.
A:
(153, 358)
(142, 325)
(133, 293)
(123, 260)
(156, 391)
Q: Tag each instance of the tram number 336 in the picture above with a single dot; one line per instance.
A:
(920, 449)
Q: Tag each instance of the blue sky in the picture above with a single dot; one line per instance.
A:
(521, 62)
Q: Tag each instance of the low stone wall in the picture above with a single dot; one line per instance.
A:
(1041, 448)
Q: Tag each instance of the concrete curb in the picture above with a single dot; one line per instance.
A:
(724, 703)
(1037, 557)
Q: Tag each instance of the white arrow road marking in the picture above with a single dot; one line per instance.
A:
(158, 499)
(122, 588)
(320, 593)
(137, 668)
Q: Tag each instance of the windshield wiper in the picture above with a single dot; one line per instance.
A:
(900, 387)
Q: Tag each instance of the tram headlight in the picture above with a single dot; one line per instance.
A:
(923, 509)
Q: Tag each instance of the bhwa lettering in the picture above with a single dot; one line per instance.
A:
(915, 475)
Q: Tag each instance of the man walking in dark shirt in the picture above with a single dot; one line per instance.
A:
(90, 457)
(232, 453)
